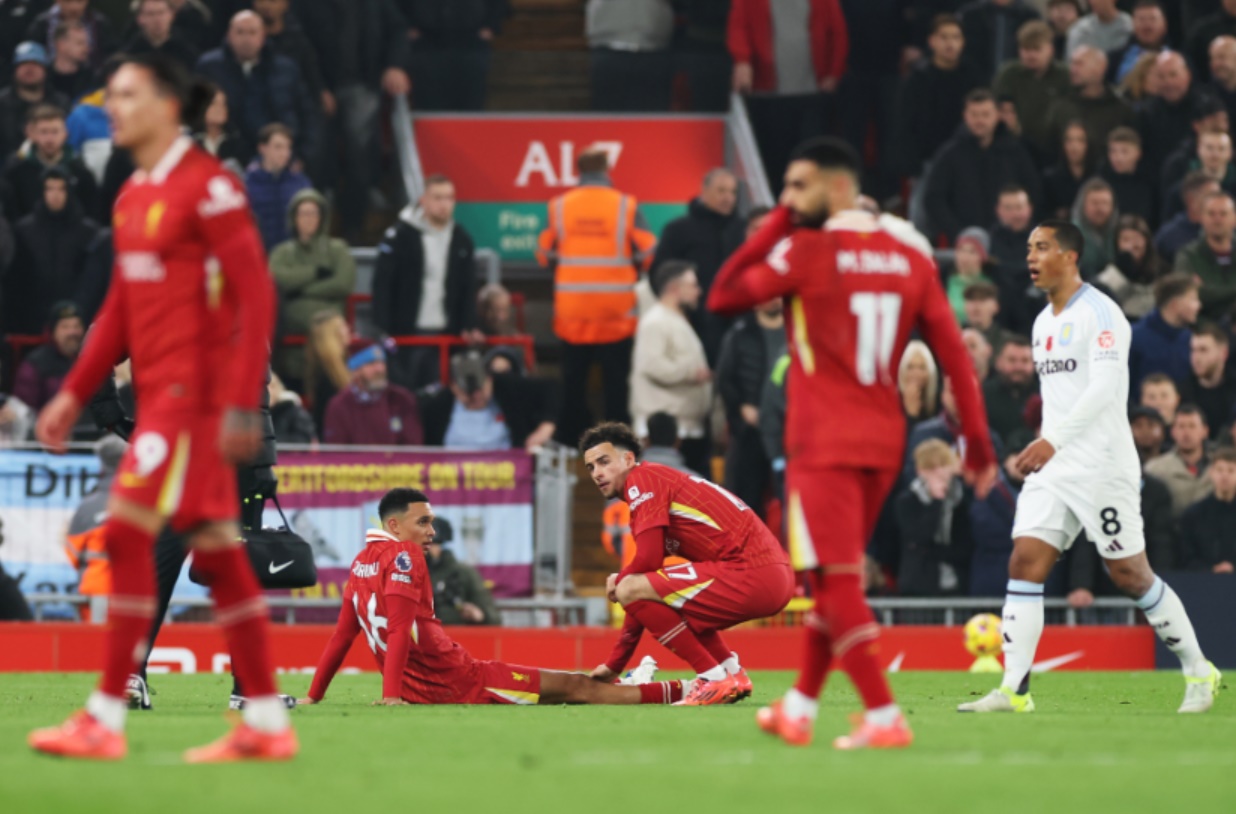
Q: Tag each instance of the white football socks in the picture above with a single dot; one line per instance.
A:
(107, 710)
(731, 664)
(886, 715)
(797, 705)
(1022, 627)
(1167, 615)
(267, 714)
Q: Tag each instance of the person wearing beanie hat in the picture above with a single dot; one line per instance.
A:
(40, 374)
(371, 410)
(970, 259)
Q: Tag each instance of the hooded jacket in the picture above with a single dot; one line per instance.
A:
(51, 254)
(24, 173)
(399, 277)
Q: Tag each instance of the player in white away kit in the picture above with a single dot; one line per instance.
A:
(1082, 474)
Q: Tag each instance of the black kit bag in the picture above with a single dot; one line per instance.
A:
(281, 559)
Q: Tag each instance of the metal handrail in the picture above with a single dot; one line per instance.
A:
(405, 147)
(748, 153)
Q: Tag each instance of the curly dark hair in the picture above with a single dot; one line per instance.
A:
(610, 432)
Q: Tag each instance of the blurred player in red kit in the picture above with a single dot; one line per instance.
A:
(736, 570)
(192, 304)
(856, 286)
(389, 598)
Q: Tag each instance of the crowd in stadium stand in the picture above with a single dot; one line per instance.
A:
(975, 119)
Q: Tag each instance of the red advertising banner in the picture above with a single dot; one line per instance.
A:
(499, 159)
(184, 647)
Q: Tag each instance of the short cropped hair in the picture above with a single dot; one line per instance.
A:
(828, 153)
(662, 430)
(397, 501)
(1171, 286)
(1034, 34)
(981, 290)
(668, 272)
(1068, 236)
(1124, 135)
(1214, 331)
(273, 129)
(610, 432)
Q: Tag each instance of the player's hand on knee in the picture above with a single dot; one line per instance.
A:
(611, 588)
(390, 702)
(240, 438)
(603, 673)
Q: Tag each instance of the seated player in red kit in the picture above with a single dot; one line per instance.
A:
(389, 598)
(736, 570)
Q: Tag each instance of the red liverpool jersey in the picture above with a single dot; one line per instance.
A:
(437, 669)
(188, 267)
(855, 291)
(702, 521)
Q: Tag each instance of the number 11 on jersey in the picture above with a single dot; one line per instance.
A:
(878, 316)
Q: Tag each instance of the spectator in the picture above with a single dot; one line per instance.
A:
(1062, 15)
(13, 607)
(702, 238)
(1223, 73)
(216, 136)
(96, 275)
(273, 182)
(1186, 227)
(1221, 23)
(594, 326)
(918, 383)
(1132, 186)
(935, 519)
(1183, 470)
(663, 446)
(971, 169)
(40, 374)
(372, 411)
(1209, 258)
(1160, 342)
(70, 74)
(1149, 432)
(747, 355)
(1214, 158)
(1008, 392)
(157, 35)
(790, 57)
(314, 272)
(1141, 82)
(669, 370)
(932, 98)
(982, 305)
(991, 28)
(1164, 119)
(285, 36)
(1209, 114)
(1138, 266)
(102, 42)
(425, 280)
(362, 47)
(946, 427)
(90, 136)
(460, 596)
(1095, 214)
(52, 242)
(991, 525)
(451, 47)
(28, 90)
(494, 311)
(980, 351)
(632, 67)
(1106, 28)
(1063, 181)
(262, 87)
(17, 18)
(1206, 539)
(16, 422)
(326, 368)
(1149, 37)
(292, 422)
(1160, 393)
(1011, 234)
(1033, 83)
(1210, 386)
(482, 411)
(24, 171)
(1091, 100)
(969, 267)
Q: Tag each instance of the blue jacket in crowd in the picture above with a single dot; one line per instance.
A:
(270, 195)
(1157, 348)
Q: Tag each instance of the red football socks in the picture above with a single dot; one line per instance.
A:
(131, 605)
(817, 645)
(660, 692)
(671, 630)
(854, 634)
(714, 644)
(241, 611)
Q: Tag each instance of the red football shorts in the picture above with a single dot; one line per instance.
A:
(717, 595)
(500, 683)
(168, 453)
(832, 512)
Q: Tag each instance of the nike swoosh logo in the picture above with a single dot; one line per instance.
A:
(1059, 661)
(276, 569)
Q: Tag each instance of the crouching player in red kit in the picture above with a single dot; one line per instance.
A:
(389, 598)
(736, 570)
(192, 304)
(856, 287)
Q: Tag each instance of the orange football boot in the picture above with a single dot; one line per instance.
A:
(794, 731)
(246, 743)
(869, 736)
(81, 736)
(706, 693)
(745, 688)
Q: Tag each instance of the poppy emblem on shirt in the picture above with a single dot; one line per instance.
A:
(1107, 339)
(1049, 343)
(403, 562)
(1066, 334)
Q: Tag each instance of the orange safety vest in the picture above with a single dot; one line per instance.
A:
(595, 245)
(90, 547)
(616, 534)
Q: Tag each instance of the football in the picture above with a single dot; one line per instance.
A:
(982, 634)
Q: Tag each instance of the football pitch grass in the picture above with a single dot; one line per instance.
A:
(1099, 742)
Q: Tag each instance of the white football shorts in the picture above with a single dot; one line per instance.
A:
(1108, 511)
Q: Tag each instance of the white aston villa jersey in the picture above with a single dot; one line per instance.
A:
(1082, 359)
